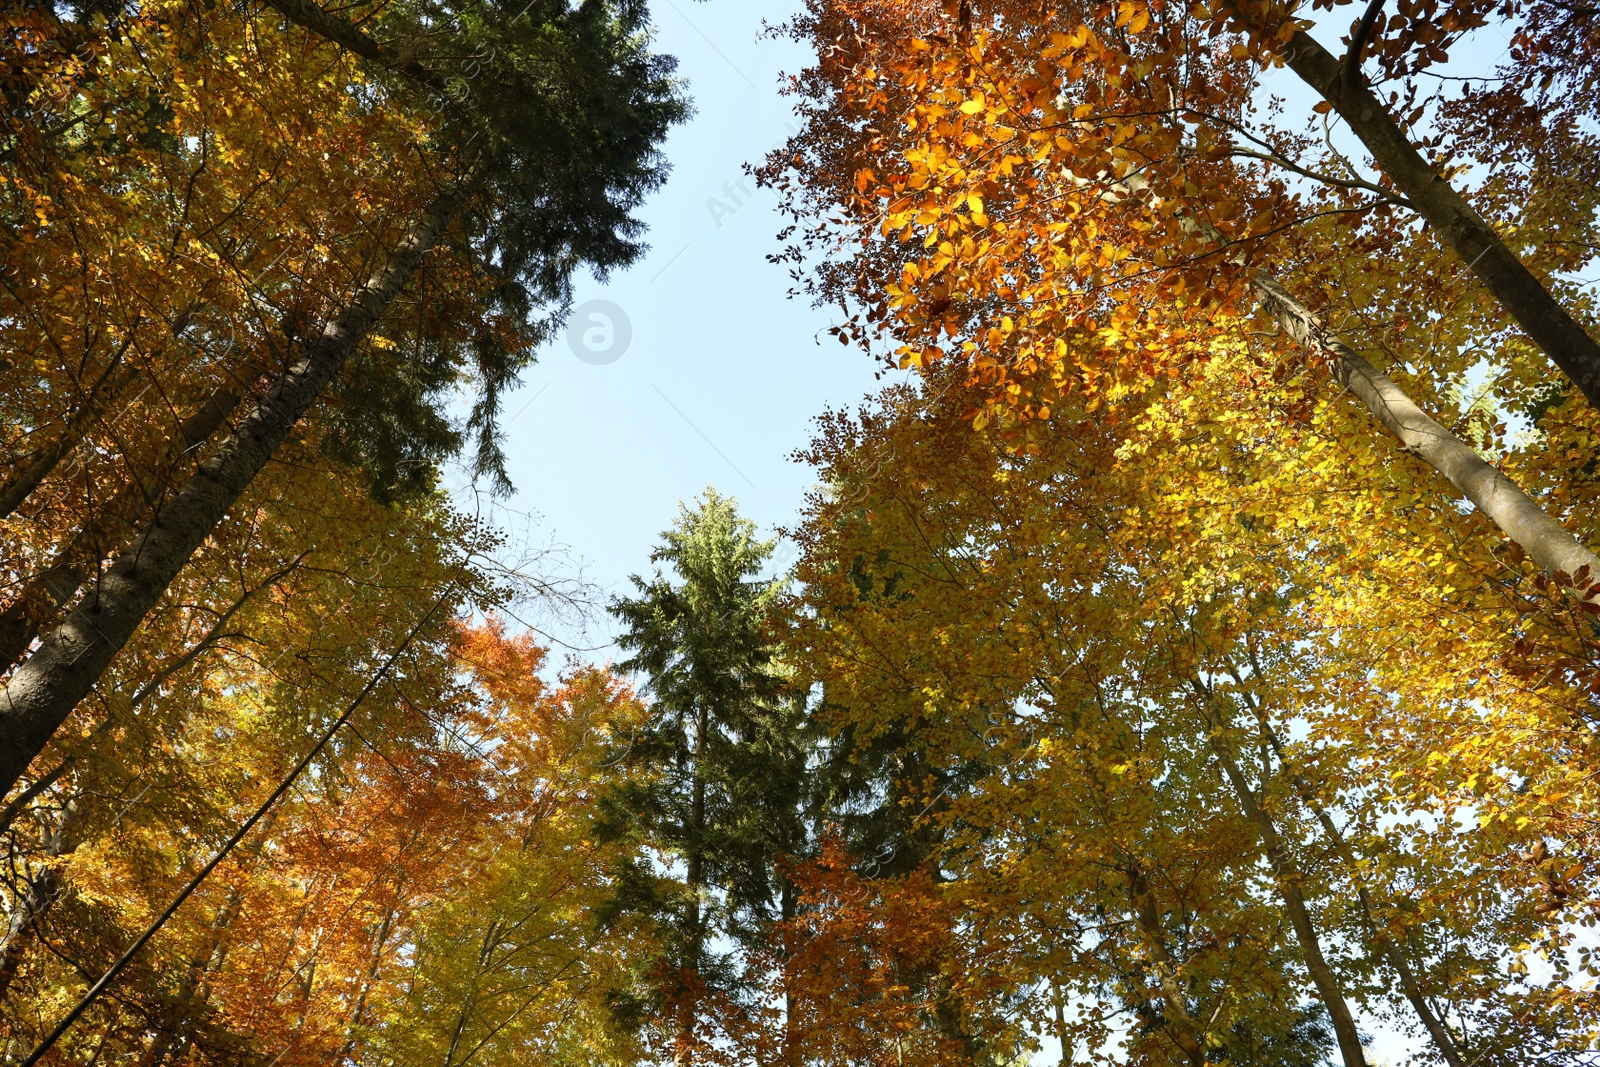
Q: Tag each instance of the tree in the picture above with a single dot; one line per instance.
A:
(717, 776)
(1414, 41)
(432, 886)
(1121, 630)
(514, 960)
(549, 195)
(1064, 201)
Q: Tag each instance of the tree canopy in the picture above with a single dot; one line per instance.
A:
(1188, 660)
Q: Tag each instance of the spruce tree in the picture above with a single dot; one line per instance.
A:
(715, 782)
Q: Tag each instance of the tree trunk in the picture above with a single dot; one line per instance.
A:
(43, 889)
(1546, 541)
(349, 36)
(12, 496)
(19, 803)
(353, 1024)
(694, 876)
(1453, 220)
(52, 589)
(1181, 1024)
(1381, 940)
(44, 690)
(469, 1004)
(791, 1025)
(1500, 499)
(1061, 1025)
(1288, 876)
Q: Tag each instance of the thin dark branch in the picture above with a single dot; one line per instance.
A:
(14, 807)
(1358, 40)
(228, 846)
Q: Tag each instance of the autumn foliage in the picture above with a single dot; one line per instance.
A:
(1172, 669)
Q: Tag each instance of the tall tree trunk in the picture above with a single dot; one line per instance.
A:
(189, 1006)
(12, 496)
(1182, 1026)
(44, 690)
(1386, 945)
(469, 1003)
(46, 461)
(52, 589)
(347, 35)
(694, 876)
(1179, 1022)
(1288, 875)
(791, 1026)
(1500, 499)
(1060, 1007)
(353, 1024)
(43, 889)
(1453, 220)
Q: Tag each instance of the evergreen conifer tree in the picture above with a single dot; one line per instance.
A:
(717, 779)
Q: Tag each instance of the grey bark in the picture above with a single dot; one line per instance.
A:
(1184, 1029)
(1061, 1025)
(12, 496)
(1501, 500)
(44, 690)
(682, 1053)
(19, 803)
(1452, 219)
(347, 35)
(1386, 945)
(43, 889)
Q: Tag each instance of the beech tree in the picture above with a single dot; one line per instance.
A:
(430, 892)
(1180, 735)
(1075, 200)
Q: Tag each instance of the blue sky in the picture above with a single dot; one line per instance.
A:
(723, 374)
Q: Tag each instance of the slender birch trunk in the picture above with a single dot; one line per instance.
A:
(45, 689)
(1455, 221)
